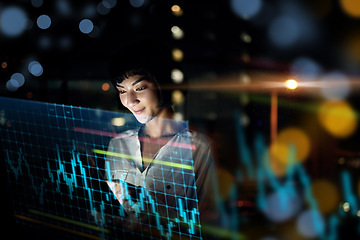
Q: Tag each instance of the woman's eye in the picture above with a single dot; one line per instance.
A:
(122, 91)
(141, 88)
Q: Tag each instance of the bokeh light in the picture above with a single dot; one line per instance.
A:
(4, 64)
(338, 118)
(284, 31)
(13, 21)
(177, 32)
(351, 7)
(118, 122)
(137, 3)
(11, 85)
(326, 195)
(346, 207)
(226, 181)
(19, 78)
(177, 55)
(45, 42)
(245, 37)
(43, 21)
(64, 7)
(282, 204)
(35, 68)
(178, 116)
(335, 86)
(109, 3)
(86, 26)
(177, 75)
(89, 11)
(177, 97)
(310, 223)
(177, 10)
(280, 149)
(305, 69)
(105, 87)
(102, 9)
(37, 3)
(246, 9)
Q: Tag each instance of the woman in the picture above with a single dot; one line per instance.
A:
(161, 172)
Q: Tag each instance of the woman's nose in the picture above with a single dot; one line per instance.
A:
(132, 99)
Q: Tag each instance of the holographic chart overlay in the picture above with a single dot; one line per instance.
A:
(55, 163)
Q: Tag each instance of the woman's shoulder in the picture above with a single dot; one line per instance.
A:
(199, 139)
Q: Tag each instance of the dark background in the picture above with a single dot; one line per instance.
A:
(217, 42)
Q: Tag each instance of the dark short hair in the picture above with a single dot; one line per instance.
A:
(147, 58)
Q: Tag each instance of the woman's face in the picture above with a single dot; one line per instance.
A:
(139, 94)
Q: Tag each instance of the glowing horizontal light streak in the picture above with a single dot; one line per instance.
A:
(223, 233)
(90, 236)
(165, 163)
(262, 81)
(74, 222)
(143, 139)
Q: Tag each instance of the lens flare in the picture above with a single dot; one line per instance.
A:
(291, 84)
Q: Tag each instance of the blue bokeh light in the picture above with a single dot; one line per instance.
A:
(43, 21)
(335, 86)
(37, 3)
(89, 11)
(284, 31)
(282, 204)
(86, 26)
(137, 3)
(310, 223)
(102, 9)
(305, 69)
(13, 21)
(12, 85)
(109, 3)
(17, 79)
(64, 7)
(45, 42)
(246, 8)
(35, 68)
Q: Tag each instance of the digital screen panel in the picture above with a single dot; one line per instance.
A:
(59, 162)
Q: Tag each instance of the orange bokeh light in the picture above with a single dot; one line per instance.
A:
(105, 87)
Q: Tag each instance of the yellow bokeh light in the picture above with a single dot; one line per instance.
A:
(177, 11)
(351, 7)
(118, 122)
(280, 149)
(338, 118)
(177, 97)
(326, 195)
(291, 84)
(226, 181)
(177, 55)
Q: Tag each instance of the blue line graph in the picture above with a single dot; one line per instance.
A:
(18, 172)
(60, 176)
(52, 173)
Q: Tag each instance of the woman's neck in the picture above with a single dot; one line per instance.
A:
(161, 125)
